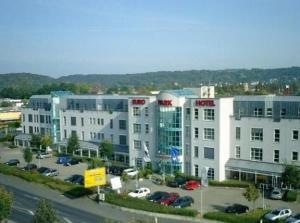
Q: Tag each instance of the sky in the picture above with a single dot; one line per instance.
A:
(64, 37)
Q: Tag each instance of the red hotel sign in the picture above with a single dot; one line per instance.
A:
(138, 101)
(165, 102)
(205, 103)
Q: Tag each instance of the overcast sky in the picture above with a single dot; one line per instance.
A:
(62, 37)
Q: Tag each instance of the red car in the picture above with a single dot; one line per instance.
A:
(191, 185)
(169, 198)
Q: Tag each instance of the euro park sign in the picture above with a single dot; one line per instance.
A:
(205, 103)
(138, 101)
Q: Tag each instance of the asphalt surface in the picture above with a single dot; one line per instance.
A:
(80, 210)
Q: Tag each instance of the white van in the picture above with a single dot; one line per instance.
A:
(130, 172)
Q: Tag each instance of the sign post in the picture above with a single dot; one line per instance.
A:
(95, 178)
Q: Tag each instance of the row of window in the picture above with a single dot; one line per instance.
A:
(208, 153)
(208, 114)
(137, 144)
(97, 136)
(37, 130)
(258, 112)
(257, 134)
(38, 118)
(137, 128)
(210, 172)
(257, 154)
(208, 133)
(137, 111)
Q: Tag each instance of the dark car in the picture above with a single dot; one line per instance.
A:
(169, 198)
(237, 209)
(41, 170)
(76, 179)
(13, 162)
(72, 161)
(30, 167)
(63, 159)
(156, 196)
(177, 182)
(115, 170)
(182, 202)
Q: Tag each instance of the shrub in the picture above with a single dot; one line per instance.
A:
(290, 196)
(251, 217)
(188, 177)
(229, 183)
(135, 203)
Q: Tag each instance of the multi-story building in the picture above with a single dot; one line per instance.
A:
(188, 130)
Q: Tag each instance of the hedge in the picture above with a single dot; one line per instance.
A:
(57, 184)
(253, 216)
(140, 204)
(290, 196)
(229, 183)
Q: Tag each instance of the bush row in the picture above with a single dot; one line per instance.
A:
(253, 216)
(290, 196)
(135, 203)
(229, 183)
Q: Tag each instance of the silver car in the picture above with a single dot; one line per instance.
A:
(51, 172)
(277, 194)
(278, 214)
(294, 219)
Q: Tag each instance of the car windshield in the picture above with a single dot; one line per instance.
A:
(276, 212)
(276, 192)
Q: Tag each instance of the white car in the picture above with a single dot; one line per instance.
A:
(140, 192)
(130, 172)
(278, 214)
(44, 155)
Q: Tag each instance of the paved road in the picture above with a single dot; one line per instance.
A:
(77, 210)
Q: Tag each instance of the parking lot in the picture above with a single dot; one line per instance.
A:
(213, 198)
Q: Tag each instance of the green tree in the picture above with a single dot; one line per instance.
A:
(251, 194)
(6, 202)
(35, 140)
(45, 213)
(73, 144)
(106, 149)
(46, 141)
(27, 155)
(291, 175)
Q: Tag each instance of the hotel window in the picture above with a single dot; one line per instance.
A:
(65, 120)
(196, 113)
(187, 131)
(91, 121)
(137, 144)
(196, 133)
(122, 124)
(139, 162)
(146, 128)
(30, 118)
(82, 135)
(98, 121)
(23, 117)
(82, 121)
(283, 112)
(136, 111)
(146, 111)
(294, 156)
(295, 134)
(258, 112)
(196, 170)
(112, 138)
(187, 113)
(256, 154)
(147, 144)
(102, 121)
(276, 156)
(269, 112)
(111, 124)
(196, 151)
(42, 119)
(137, 128)
(256, 134)
(211, 173)
(73, 133)
(209, 153)
(237, 132)
(209, 133)
(73, 121)
(276, 135)
(209, 114)
(237, 152)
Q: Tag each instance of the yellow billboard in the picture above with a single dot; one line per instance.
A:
(94, 177)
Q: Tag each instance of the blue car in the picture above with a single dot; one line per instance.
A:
(63, 159)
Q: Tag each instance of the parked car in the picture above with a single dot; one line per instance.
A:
(12, 162)
(41, 170)
(156, 196)
(43, 155)
(169, 198)
(72, 161)
(30, 167)
(276, 194)
(130, 172)
(76, 179)
(294, 219)
(237, 209)
(50, 172)
(182, 202)
(63, 159)
(177, 182)
(278, 214)
(140, 192)
(192, 185)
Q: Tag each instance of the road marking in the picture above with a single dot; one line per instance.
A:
(31, 197)
(24, 210)
(67, 220)
(31, 212)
